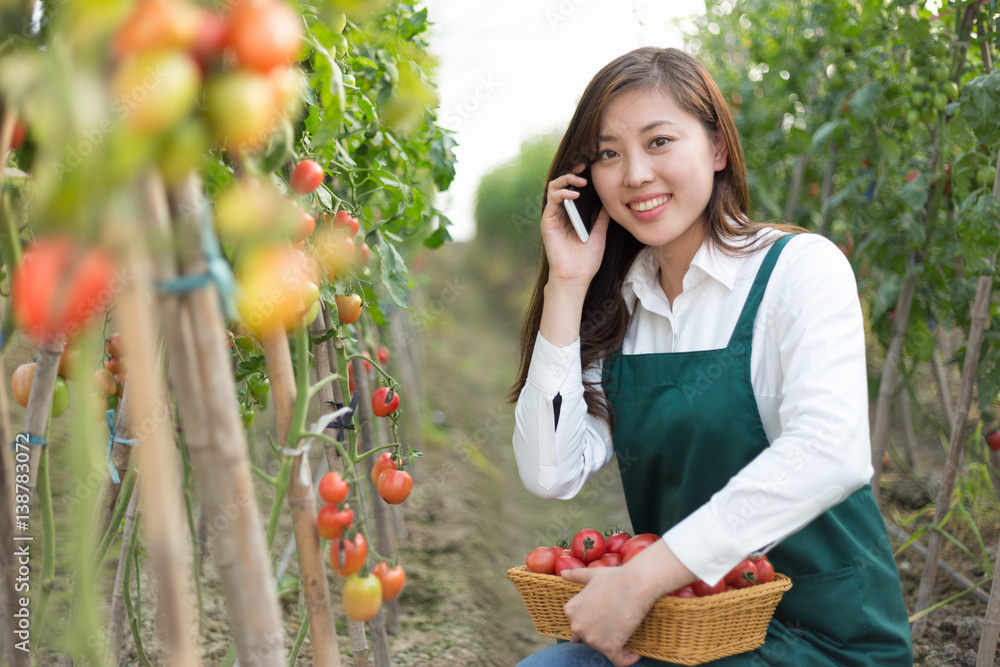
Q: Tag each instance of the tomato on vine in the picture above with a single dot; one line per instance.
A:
(307, 176)
(392, 580)
(332, 488)
(384, 402)
(20, 383)
(385, 461)
(394, 486)
(349, 308)
(362, 597)
(347, 555)
(331, 521)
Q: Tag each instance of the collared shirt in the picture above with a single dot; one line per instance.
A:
(808, 373)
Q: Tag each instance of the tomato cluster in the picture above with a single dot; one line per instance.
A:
(589, 548)
(393, 485)
(748, 572)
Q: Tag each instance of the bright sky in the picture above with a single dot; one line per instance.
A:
(512, 69)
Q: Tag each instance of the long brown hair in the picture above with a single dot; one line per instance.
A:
(605, 316)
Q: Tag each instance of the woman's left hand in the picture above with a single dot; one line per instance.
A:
(616, 599)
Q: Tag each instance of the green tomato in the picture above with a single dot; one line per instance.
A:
(912, 116)
(950, 88)
(917, 99)
(259, 385)
(940, 101)
(338, 21)
(941, 73)
(247, 416)
(60, 398)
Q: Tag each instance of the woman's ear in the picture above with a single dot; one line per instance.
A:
(721, 152)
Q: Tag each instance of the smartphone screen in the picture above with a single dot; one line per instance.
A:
(588, 204)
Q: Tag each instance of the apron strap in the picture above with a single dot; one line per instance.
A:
(743, 333)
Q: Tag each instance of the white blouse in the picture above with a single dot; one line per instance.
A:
(808, 373)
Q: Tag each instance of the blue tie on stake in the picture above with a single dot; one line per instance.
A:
(109, 417)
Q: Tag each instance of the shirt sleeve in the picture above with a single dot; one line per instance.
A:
(813, 328)
(558, 446)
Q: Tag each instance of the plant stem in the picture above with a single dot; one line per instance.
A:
(133, 620)
(128, 484)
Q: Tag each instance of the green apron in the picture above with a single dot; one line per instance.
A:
(685, 423)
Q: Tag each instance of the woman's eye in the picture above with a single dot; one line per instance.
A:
(606, 154)
(660, 142)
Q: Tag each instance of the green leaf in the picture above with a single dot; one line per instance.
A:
(438, 238)
(442, 159)
(323, 194)
(864, 100)
(890, 147)
(825, 133)
(393, 270)
(981, 99)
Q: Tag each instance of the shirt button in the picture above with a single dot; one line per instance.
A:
(556, 371)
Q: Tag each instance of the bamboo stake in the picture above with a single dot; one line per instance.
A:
(121, 455)
(941, 378)
(321, 361)
(890, 372)
(36, 418)
(214, 436)
(157, 456)
(301, 498)
(909, 436)
(980, 312)
(116, 614)
(991, 622)
(406, 348)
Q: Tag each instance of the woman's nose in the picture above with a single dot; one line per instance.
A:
(638, 172)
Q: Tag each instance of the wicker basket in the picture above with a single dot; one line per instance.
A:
(687, 631)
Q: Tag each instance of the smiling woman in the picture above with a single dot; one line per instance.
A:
(721, 360)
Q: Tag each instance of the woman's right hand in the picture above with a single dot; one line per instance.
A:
(572, 263)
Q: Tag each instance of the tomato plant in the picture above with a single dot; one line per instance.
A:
(332, 488)
(306, 177)
(394, 486)
(384, 403)
(392, 580)
(362, 597)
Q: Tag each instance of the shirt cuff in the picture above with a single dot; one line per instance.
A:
(554, 368)
(704, 544)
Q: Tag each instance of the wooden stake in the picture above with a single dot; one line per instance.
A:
(157, 457)
(36, 418)
(301, 498)
(121, 455)
(116, 614)
(200, 372)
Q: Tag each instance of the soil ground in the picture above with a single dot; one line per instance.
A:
(469, 518)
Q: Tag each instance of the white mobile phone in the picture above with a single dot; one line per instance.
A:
(574, 217)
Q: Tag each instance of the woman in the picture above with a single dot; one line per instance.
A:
(721, 361)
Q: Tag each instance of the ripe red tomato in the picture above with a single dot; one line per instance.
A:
(347, 555)
(567, 563)
(362, 597)
(587, 545)
(765, 570)
(306, 226)
(746, 575)
(597, 563)
(384, 402)
(385, 461)
(67, 360)
(157, 25)
(392, 579)
(701, 589)
(993, 440)
(541, 561)
(383, 354)
(307, 177)
(684, 592)
(333, 488)
(349, 308)
(633, 552)
(611, 560)
(363, 254)
(210, 40)
(614, 543)
(394, 486)
(264, 34)
(115, 346)
(59, 287)
(331, 521)
(20, 130)
(640, 540)
(20, 383)
(344, 220)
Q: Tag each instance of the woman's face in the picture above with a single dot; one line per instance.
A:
(655, 168)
